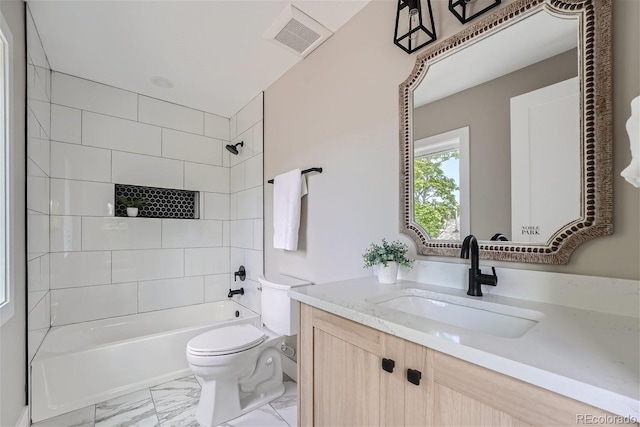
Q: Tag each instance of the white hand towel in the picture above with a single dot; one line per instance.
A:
(288, 190)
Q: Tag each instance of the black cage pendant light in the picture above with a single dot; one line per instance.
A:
(411, 33)
(466, 10)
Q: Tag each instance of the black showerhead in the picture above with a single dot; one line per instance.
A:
(233, 148)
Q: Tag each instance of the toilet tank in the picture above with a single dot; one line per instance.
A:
(279, 312)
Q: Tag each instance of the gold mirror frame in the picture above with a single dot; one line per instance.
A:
(594, 56)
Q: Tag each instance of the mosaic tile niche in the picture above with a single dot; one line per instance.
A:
(160, 202)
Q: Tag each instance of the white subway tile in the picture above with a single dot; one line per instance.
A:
(226, 233)
(233, 206)
(66, 124)
(169, 293)
(258, 137)
(148, 264)
(216, 206)
(119, 233)
(76, 269)
(45, 271)
(86, 95)
(38, 194)
(34, 298)
(37, 82)
(236, 177)
(253, 175)
(188, 233)
(81, 198)
(254, 264)
(33, 169)
(34, 45)
(34, 276)
(242, 234)
(237, 258)
(250, 115)
(66, 233)
(38, 233)
(252, 296)
(202, 261)
(150, 171)
(216, 287)
(250, 204)
(190, 147)
(34, 130)
(39, 316)
(74, 305)
(114, 133)
(258, 234)
(38, 151)
(42, 112)
(73, 161)
(214, 179)
(233, 128)
(216, 126)
(166, 114)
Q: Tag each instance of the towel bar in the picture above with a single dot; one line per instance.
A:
(319, 170)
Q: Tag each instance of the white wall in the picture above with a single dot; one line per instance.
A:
(339, 109)
(13, 331)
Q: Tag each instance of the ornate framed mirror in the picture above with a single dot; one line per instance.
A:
(529, 90)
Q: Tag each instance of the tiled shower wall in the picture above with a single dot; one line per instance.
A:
(86, 264)
(246, 199)
(38, 182)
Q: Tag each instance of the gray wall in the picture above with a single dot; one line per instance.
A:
(12, 333)
(486, 110)
(339, 109)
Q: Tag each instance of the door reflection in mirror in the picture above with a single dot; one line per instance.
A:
(441, 184)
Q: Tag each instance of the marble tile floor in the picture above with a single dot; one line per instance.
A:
(173, 404)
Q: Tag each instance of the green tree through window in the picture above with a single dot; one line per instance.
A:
(435, 200)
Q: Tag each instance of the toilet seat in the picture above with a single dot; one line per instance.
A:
(226, 340)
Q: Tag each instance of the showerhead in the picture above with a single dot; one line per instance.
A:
(233, 148)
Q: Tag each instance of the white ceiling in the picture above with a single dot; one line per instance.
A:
(213, 51)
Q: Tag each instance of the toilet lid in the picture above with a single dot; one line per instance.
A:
(226, 340)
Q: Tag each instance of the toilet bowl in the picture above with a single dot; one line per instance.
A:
(240, 366)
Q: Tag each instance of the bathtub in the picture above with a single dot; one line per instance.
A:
(85, 363)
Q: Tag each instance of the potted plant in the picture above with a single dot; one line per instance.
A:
(132, 204)
(387, 257)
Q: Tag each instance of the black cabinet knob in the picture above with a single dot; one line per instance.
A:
(414, 376)
(388, 365)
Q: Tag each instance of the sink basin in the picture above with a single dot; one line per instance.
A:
(476, 315)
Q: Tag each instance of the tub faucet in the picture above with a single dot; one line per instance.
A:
(236, 292)
(476, 278)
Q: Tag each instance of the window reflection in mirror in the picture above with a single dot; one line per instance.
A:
(440, 184)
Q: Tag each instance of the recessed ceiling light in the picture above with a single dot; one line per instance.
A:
(162, 82)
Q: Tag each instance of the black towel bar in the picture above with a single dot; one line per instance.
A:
(319, 170)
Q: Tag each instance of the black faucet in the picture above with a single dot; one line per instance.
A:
(476, 278)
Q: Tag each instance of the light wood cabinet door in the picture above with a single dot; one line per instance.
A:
(341, 383)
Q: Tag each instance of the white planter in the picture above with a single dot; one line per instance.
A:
(132, 211)
(389, 274)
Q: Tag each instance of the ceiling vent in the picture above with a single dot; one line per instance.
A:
(297, 31)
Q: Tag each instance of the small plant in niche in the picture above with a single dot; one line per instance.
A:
(132, 204)
(395, 251)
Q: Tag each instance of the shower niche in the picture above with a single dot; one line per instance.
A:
(159, 202)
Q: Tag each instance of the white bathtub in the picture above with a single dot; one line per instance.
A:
(86, 363)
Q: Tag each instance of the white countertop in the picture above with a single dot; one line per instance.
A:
(589, 356)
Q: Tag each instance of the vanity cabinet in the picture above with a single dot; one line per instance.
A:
(353, 375)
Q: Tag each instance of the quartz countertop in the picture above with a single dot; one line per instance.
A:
(586, 355)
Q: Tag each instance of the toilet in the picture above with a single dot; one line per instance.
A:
(240, 366)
